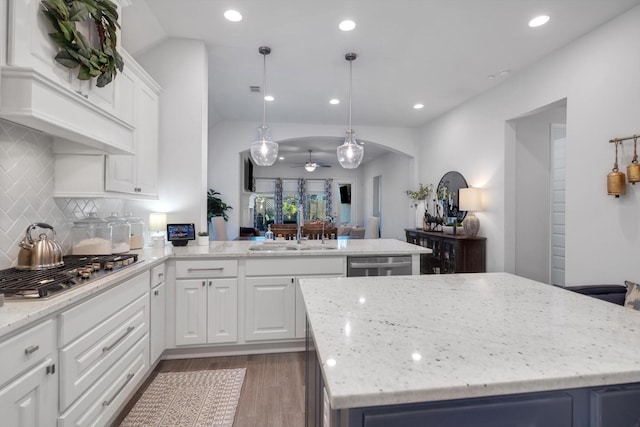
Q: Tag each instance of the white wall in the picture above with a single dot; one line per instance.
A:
(228, 139)
(599, 74)
(395, 214)
(533, 193)
(180, 67)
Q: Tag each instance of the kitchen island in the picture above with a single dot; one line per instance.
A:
(461, 350)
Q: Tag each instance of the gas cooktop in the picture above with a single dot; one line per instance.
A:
(22, 285)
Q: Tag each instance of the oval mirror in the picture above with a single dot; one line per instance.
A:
(451, 181)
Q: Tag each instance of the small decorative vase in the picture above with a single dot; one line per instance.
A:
(203, 240)
(420, 209)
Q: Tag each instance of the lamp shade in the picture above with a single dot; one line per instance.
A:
(470, 199)
(157, 221)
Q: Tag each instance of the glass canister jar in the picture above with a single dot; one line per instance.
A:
(121, 233)
(91, 236)
(136, 240)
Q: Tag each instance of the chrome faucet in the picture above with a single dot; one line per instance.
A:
(324, 221)
(300, 222)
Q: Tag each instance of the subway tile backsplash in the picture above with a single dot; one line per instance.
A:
(26, 188)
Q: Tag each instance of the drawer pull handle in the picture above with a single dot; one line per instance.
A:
(109, 347)
(31, 349)
(160, 275)
(51, 369)
(155, 293)
(108, 401)
(206, 269)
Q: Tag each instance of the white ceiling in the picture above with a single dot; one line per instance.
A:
(436, 52)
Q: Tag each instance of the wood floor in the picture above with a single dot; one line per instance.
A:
(273, 390)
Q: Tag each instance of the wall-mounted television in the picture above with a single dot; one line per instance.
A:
(248, 184)
(345, 194)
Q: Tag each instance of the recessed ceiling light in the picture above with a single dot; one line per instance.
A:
(347, 25)
(269, 98)
(539, 20)
(334, 101)
(280, 158)
(233, 15)
(418, 106)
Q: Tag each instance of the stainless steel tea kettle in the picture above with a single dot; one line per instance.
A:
(40, 254)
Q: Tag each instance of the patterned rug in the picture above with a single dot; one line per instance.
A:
(195, 398)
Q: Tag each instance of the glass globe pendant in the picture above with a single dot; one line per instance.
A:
(350, 153)
(264, 151)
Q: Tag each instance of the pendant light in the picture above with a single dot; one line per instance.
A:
(264, 151)
(350, 153)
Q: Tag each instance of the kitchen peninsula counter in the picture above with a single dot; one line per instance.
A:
(386, 347)
(15, 315)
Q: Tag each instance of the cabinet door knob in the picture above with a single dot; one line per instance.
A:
(137, 189)
(51, 369)
(31, 349)
(203, 283)
(210, 283)
(155, 293)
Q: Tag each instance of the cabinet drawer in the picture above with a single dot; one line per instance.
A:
(102, 401)
(206, 268)
(86, 316)
(88, 358)
(26, 349)
(157, 275)
(295, 267)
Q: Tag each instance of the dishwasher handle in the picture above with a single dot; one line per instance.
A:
(363, 265)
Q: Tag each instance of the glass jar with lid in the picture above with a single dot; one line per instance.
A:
(121, 233)
(91, 236)
(136, 240)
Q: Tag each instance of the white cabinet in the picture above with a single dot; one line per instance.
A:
(274, 309)
(206, 302)
(157, 312)
(138, 174)
(104, 352)
(206, 311)
(91, 174)
(270, 308)
(29, 378)
(38, 92)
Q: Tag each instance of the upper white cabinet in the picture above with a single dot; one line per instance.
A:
(138, 174)
(39, 93)
(92, 174)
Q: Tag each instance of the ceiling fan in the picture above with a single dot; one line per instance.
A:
(310, 166)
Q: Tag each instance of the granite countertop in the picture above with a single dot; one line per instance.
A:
(18, 314)
(405, 339)
(244, 248)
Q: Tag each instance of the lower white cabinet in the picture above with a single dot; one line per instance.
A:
(274, 308)
(206, 311)
(104, 352)
(270, 304)
(29, 378)
(157, 326)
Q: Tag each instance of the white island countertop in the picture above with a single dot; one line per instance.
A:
(406, 339)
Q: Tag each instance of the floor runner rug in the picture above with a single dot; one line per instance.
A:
(189, 399)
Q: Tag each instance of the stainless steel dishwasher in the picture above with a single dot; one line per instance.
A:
(396, 265)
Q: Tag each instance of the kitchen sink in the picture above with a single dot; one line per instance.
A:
(272, 248)
(318, 248)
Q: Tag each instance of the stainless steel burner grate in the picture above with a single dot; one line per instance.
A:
(77, 270)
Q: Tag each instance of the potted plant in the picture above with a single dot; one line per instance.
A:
(203, 238)
(215, 206)
(420, 202)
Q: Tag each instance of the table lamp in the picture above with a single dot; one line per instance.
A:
(470, 201)
(157, 224)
